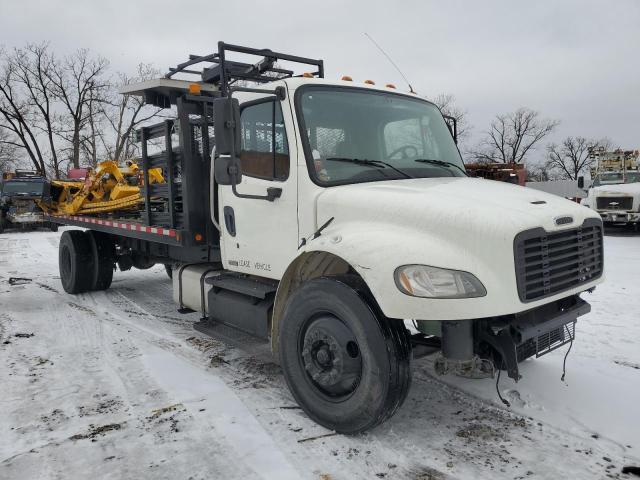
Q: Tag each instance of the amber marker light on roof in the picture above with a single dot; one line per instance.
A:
(390, 85)
(347, 78)
(369, 82)
(194, 89)
(307, 75)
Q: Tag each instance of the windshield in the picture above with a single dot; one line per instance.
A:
(24, 188)
(613, 178)
(352, 135)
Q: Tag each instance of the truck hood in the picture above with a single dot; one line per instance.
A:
(456, 202)
(459, 223)
(624, 188)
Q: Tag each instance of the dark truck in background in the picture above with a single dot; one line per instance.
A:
(18, 194)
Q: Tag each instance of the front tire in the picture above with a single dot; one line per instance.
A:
(75, 260)
(347, 365)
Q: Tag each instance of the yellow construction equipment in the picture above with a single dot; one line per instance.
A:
(107, 188)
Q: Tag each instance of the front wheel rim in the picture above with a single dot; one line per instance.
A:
(330, 356)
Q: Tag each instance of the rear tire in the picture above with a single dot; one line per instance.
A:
(348, 366)
(103, 252)
(53, 227)
(75, 260)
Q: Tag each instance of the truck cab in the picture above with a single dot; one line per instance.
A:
(326, 217)
(615, 190)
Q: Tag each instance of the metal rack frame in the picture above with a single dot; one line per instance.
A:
(224, 72)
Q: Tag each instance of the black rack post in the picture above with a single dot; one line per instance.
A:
(168, 126)
(145, 173)
(223, 74)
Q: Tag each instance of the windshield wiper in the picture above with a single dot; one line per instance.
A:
(441, 163)
(371, 163)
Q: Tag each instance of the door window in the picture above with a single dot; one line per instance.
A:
(264, 150)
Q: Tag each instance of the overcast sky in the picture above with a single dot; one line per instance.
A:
(573, 60)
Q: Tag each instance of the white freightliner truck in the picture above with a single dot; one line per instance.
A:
(615, 190)
(319, 216)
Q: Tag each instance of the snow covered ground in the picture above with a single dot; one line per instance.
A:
(117, 384)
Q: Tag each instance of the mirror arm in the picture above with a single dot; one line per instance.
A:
(272, 192)
(453, 127)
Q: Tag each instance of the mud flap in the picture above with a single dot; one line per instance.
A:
(505, 345)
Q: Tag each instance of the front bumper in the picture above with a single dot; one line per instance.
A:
(620, 216)
(536, 332)
(24, 218)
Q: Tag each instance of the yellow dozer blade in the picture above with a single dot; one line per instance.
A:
(107, 188)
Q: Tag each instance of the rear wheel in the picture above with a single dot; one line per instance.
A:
(103, 252)
(75, 260)
(347, 365)
(53, 227)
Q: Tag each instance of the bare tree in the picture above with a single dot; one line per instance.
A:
(78, 80)
(17, 114)
(125, 113)
(65, 110)
(571, 158)
(512, 136)
(446, 102)
(33, 66)
(8, 152)
(92, 135)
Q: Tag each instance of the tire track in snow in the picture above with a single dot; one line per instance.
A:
(440, 432)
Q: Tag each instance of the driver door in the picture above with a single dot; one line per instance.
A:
(260, 237)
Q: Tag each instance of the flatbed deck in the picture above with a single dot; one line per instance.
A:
(121, 227)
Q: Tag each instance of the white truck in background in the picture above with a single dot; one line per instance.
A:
(615, 190)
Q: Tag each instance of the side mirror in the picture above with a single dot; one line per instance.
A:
(581, 183)
(226, 125)
(227, 170)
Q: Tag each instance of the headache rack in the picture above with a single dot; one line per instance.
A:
(224, 73)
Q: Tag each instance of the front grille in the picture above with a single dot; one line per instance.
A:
(614, 203)
(547, 342)
(552, 262)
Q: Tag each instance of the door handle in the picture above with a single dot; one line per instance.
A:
(230, 220)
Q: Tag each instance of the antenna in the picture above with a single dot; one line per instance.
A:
(390, 61)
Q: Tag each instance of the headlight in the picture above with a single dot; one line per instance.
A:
(433, 282)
